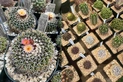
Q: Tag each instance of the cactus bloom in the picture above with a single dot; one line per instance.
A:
(28, 48)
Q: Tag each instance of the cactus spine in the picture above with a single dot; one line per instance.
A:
(93, 18)
(84, 8)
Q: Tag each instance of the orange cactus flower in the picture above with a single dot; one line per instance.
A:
(28, 48)
(25, 41)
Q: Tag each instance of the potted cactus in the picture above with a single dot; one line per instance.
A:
(20, 19)
(103, 29)
(93, 18)
(98, 4)
(34, 57)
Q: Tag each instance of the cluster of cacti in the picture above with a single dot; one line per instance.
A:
(70, 16)
(117, 24)
(3, 44)
(89, 40)
(106, 13)
(32, 55)
(84, 8)
(98, 4)
(93, 18)
(21, 19)
(117, 41)
(56, 78)
(67, 75)
(39, 5)
(81, 27)
(103, 29)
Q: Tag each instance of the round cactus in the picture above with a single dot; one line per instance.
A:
(84, 8)
(106, 13)
(3, 44)
(93, 18)
(103, 29)
(56, 78)
(32, 55)
(70, 16)
(117, 24)
(81, 27)
(98, 4)
(89, 40)
(66, 36)
(117, 41)
(21, 19)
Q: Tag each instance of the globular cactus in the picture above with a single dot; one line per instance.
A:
(20, 19)
(94, 18)
(98, 4)
(89, 40)
(81, 27)
(103, 29)
(117, 41)
(56, 78)
(3, 44)
(84, 8)
(106, 13)
(34, 56)
(70, 16)
(117, 24)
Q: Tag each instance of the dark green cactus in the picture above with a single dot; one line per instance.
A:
(117, 41)
(98, 4)
(81, 27)
(84, 8)
(3, 44)
(93, 18)
(70, 16)
(103, 29)
(56, 78)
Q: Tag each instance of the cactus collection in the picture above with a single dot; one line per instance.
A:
(20, 19)
(93, 18)
(81, 27)
(31, 56)
(117, 24)
(3, 44)
(84, 8)
(98, 4)
(106, 13)
(103, 29)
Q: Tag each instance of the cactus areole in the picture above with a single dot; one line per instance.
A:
(31, 57)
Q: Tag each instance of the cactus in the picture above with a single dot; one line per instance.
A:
(81, 27)
(116, 70)
(97, 80)
(39, 5)
(89, 40)
(84, 8)
(106, 13)
(21, 19)
(117, 41)
(98, 4)
(66, 36)
(3, 44)
(67, 75)
(93, 18)
(75, 50)
(70, 16)
(87, 64)
(103, 29)
(33, 54)
(117, 24)
(56, 78)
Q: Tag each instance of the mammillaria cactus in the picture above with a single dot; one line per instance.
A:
(81, 27)
(98, 4)
(93, 18)
(3, 44)
(39, 5)
(20, 19)
(103, 29)
(117, 24)
(106, 13)
(31, 57)
(117, 41)
(84, 8)
(70, 16)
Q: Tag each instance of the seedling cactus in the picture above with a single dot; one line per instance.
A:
(103, 29)
(93, 18)
(84, 8)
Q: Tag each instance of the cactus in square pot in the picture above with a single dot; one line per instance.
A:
(117, 24)
(31, 57)
(71, 16)
(98, 4)
(84, 8)
(106, 13)
(20, 19)
(103, 29)
(81, 27)
(93, 18)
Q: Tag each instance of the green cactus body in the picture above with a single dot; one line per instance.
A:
(84, 8)
(98, 4)
(103, 29)
(3, 44)
(81, 27)
(18, 23)
(56, 78)
(117, 41)
(93, 18)
(117, 24)
(106, 13)
(71, 16)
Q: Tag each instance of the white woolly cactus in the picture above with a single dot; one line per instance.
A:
(31, 57)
